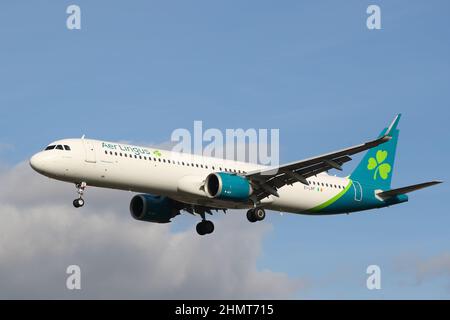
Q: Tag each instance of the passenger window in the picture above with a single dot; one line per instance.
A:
(106, 152)
(121, 154)
(66, 147)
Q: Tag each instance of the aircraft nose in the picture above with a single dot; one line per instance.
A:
(37, 162)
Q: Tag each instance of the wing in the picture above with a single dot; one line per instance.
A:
(201, 210)
(267, 181)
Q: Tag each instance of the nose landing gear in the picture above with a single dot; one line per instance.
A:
(79, 202)
(256, 214)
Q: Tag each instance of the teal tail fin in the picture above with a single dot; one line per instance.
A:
(377, 166)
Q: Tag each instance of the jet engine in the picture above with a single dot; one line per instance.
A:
(159, 209)
(227, 186)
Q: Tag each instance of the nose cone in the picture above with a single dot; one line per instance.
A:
(37, 162)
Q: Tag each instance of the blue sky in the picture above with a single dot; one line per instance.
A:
(138, 70)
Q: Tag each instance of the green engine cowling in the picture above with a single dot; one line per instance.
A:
(159, 209)
(225, 186)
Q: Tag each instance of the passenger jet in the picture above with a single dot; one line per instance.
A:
(170, 182)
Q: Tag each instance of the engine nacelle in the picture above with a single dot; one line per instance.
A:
(159, 209)
(227, 186)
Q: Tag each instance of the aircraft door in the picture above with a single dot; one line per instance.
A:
(90, 151)
(358, 190)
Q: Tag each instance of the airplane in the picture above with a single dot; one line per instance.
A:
(170, 182)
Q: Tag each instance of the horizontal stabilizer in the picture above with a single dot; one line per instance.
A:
(394, 192)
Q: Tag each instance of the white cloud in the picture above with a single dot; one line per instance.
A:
(41, 234)
(418, 270)
(435, 266)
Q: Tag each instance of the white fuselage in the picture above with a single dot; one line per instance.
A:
(176, 175)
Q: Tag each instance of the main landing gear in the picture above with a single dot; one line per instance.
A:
(79, 202)
(205, 226)
(256, 214)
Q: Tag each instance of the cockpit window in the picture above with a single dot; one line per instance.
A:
(58, 147)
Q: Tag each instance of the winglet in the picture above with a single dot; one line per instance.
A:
(392, 126)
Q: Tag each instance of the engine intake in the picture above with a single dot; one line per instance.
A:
(147, 207)
(227, 186)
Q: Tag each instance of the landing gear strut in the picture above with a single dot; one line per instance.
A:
(205, 226)
(256, 214)
(79, 202)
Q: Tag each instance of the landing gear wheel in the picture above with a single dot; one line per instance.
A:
(209, 226)
(77, 203)
(259, 213)
(251, 216)
(205, 227)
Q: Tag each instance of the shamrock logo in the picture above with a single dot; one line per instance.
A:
(377, 164)
(157, 153)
